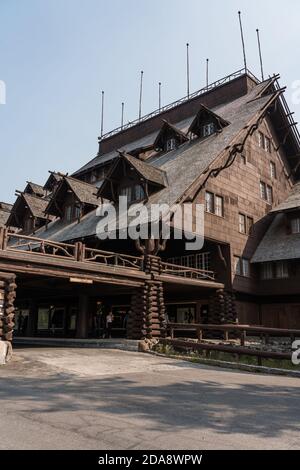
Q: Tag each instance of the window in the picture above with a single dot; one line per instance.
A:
(277, 270)
(242, 266)
(198, 260)
(208, 129)
(133, 193)
(269, 194)
(209, 202)
(219, 206)
(295, 225)
(68, 213)
(281, 270)
(267, 271)
(263, 191)
(266, 192)
(273, 170)
(261, 139)
(77, 212)
(170, 144)
(214, 204)
(267, 144)
(250, 223)
(242, 223)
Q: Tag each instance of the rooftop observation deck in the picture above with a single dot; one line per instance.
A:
(22, 254)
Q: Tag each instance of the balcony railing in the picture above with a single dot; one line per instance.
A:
(189, 273)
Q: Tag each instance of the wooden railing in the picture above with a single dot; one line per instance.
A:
(183, 271)
(15, 242)
(241, 330)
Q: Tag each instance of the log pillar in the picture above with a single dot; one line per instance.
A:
(147, 314)
(82, 319)
(7, 310)
(222, 308)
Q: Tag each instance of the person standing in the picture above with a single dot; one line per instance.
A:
(109, 321)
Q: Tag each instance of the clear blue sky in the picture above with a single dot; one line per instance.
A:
(57, 55)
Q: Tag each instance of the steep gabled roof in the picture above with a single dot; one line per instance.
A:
(5, 209)
(35, 204)
(33, 188)
(85, 193)
(206, 113)
(292, 201)
(5, 206)
(278, 244)
(155, 176)
(52, 181)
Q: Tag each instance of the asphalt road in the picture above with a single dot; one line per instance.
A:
(109, 399)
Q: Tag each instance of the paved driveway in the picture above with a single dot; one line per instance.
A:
(109, 399)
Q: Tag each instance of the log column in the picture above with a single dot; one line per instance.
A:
(147, 314)
(7, 310)
(222, 308)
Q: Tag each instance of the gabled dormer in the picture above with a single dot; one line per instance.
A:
(72, 199)
(206, 123)
(52, 182)
(169, 138)
(34, 189)
(28, 213)
(133, 178)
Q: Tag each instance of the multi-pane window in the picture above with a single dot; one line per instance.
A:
(266, 192)
(68, 213)
(295, 225)
(261, 139)
(267, 271)
(273, 170)
(133, 193)
(209, 202)
(276, 270)
(250, 223)
(242, 223)
(242, 266)
(219, 206)
(264, 142)
(199, 261)
(263, 190)
(208, 129)
(269, 194)
(170, 144)
(214, 204)
(267, 144)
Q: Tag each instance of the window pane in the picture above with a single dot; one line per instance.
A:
(246, 267)
(295, 225)
(281, 270)
(273, 170)
(261, 139)
(242, 223)
(267, 144)
(208, 129)
(267, 271)
(238, 265)
(219, 206)
(250, 223)
(269, 194)
(209, 202)
(263, 191)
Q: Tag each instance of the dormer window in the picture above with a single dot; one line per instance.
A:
(170, 144)
(134, 193)
(208, 129)
(72, 213)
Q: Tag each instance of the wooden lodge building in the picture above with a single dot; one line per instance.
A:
(232, 146)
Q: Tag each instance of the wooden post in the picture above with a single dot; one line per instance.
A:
(243, 337)
(199, 334)
(226, 335)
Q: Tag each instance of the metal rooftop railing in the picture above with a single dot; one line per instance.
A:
(200, 92)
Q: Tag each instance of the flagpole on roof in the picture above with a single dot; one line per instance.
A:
(141, 94)
(207, 64)
(122, 116)
(187, 69)
(102, 113)
(243, 42)
(159, 95)
(260, 55)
